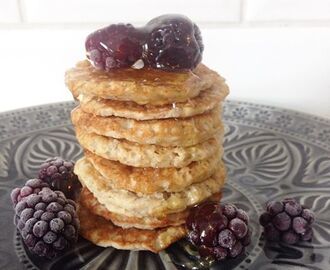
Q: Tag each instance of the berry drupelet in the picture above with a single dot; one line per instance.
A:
(287, 221)
(32, 186)
(47, 221)
(217, 231)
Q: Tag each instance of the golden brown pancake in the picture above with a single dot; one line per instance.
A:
(158, 204)
(104, 233)
(204, 102)
(91, 203)
(147, 155)
(88, 201)
(144, 86)
(165, 132)
(151, 180)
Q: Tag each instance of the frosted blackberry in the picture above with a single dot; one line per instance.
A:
(287, 221)
(32, 186)
(46, 227)
(217, 231)
(174, 43)
(58, 173)
(115, 46)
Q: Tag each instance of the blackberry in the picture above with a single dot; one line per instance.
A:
(287, 221)
(174, 43)
(32, 186)
(115, 46)
(168, 42)
(45, 224)
(217, 231)
(58, 173)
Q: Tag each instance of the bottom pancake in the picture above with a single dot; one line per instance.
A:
(88, 201)
(104, 233)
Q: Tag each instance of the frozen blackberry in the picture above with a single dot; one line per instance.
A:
(58, 173)
(32, 186)
(174, 43)
(287, 221)
(115, 46)
(217, 231)
(47, 221)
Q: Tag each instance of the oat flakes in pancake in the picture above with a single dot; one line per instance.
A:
(151, 180)
(137, 205)
(104, 233)
(205, 101)
(88, 201)
(147, 155)
(143, 86)
(165, 132)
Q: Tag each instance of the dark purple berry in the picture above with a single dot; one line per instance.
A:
(50, 237)
(205, 251)
(274, 207)
(220, 253)
(290, 237)
(47, 216)
(246, 240)
(29, 224)
(58, 173)
(282, 221)
(33, 200)
(56, 224)
(236, 250)
(44, 224)
(26, 214)
(37, 214)
(299, 225)
(287, 221)
(264, 219)
(308, 215)
(241, 214)
(229, 210)
(65, 216)
(174, 43)
(307, 235)
(60, 243)
(227, 239)
(238, 227)
(216, 230)
(271, 233)
(40, 228)
(293, 208)
(115, 46)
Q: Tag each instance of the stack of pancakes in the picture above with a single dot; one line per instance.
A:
(153, 148)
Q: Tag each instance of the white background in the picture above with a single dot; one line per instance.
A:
(275, 52)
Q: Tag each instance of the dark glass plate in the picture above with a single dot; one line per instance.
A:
(270, 153)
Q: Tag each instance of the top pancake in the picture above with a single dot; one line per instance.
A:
(143, 86)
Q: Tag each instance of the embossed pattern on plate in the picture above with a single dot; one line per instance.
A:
(270, 154)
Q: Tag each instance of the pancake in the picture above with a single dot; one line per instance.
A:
(165, 132)
(147, 155)
(152, 180)
(204, 102)
(159, 204)
(104, 233)
(143, 86)
(88, 201)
